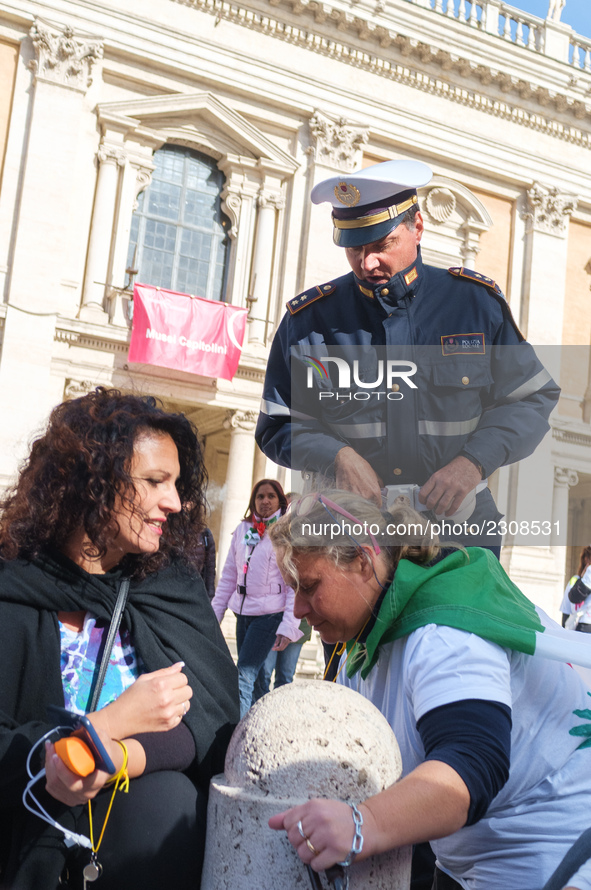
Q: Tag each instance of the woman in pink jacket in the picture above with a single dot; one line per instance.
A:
(252, 587)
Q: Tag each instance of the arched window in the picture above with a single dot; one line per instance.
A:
(179, 235)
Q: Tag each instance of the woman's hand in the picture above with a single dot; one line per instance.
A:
(156, 702)
(281, 643)
(68, 787)
(329, 827)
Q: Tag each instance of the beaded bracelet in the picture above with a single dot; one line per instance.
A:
(357, 845)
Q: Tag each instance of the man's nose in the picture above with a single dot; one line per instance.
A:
(370, 261)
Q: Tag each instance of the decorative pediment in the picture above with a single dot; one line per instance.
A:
(201, 121)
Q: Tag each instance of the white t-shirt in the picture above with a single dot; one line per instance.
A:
(545, 804)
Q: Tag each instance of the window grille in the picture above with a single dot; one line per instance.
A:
(179, 235)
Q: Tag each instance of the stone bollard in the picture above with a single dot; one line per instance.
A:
(308, 739)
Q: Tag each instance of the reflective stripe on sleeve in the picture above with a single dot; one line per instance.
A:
(530, 386)
(274, 409)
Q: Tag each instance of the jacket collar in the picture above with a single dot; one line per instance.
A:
(404, 284)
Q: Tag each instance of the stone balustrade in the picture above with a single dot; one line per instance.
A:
(580, 54)
(515, 26)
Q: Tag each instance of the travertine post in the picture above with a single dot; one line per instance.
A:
(308, 739)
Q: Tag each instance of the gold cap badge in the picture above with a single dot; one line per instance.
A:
(347, 194)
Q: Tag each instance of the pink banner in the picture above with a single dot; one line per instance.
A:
(186, 333)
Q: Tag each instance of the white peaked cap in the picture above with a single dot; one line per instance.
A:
(380, 181)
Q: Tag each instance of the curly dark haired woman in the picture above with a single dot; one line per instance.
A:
(110, 498)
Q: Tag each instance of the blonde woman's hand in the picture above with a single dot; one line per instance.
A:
(328, 828)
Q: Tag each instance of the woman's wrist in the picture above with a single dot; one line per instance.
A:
(357, 842)
(136, 758)
(370, 831)
(136, 754)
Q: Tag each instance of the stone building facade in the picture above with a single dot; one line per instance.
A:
(101, 105)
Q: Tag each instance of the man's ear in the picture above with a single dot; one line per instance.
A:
(419, 225)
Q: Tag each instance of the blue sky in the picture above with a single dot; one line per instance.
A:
(576, 12)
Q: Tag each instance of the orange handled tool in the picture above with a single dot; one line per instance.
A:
(76, 755)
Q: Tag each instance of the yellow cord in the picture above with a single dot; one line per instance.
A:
(121, 782)
(339, 651)
(336, 650)
(123, 771)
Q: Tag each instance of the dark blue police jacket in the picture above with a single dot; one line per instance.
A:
(479, 388)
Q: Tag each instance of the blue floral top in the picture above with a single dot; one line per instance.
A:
(80, 660)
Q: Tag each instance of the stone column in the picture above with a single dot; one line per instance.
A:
(238, 477)
(308, 739)
(110, 158)
(547, 214)
(268, 203)
(564, 479)
(259, 470)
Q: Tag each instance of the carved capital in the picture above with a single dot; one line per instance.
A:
(337, 143)
(275, 200)
(62, 56)
(565, 477)
(548, 210)
(241, 420)
(110, 155)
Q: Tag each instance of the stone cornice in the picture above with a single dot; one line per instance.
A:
(353, 38)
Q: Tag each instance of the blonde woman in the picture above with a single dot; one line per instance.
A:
(492, 776)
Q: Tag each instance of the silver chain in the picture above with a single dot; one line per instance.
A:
(357, 845)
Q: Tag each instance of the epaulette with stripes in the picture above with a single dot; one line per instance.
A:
(461, 272)
(492, 286)
(310, 296)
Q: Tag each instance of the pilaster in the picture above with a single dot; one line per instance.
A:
(547, 213)
(62, 70)
(47, 239)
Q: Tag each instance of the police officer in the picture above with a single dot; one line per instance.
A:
(482, 399)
